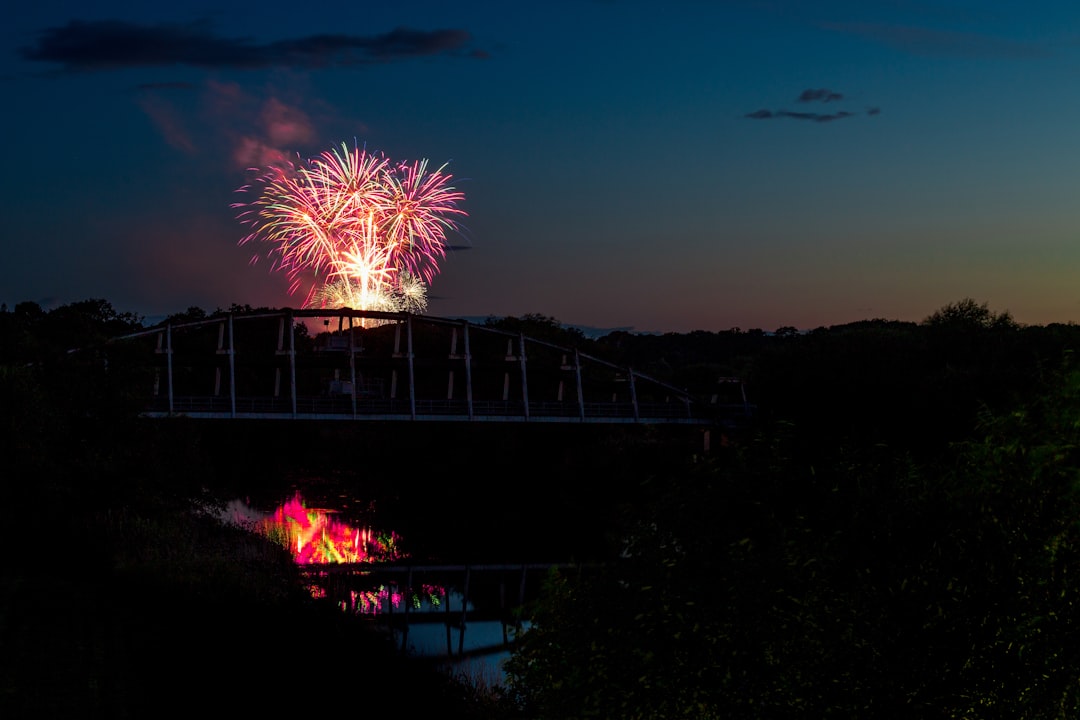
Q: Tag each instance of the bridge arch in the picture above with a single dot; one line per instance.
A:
(373, 365)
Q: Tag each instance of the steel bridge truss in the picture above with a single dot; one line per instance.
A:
(391, 366)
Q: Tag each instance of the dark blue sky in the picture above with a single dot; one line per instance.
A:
(661, 166)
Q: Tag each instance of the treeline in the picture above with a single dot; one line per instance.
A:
(874, 381)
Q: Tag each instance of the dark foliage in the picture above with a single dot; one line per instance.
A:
(781, 580)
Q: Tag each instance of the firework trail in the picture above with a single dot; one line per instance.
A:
(371, 233)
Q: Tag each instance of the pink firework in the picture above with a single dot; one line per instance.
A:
(423, 210)
(321, 216)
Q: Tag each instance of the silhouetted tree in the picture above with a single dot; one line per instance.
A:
(540, 327)
(192, 314)
(966, 315)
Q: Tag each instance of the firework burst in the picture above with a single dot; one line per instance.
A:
(367, 233)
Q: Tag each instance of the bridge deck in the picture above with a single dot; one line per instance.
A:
(321, 408)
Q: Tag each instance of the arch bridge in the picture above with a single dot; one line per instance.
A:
(371, 365)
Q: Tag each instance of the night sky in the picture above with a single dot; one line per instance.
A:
(678, 166)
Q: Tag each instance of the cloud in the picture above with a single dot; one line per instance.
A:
(245, 130)
(760, 115)
(167, 121)
(811, 95)
(285, 125)
(820, 95)
(816, 117)
(260, 131)
(253, 152)
(281, 126)
(111, 44)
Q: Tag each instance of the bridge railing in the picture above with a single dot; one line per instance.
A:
(449, 370)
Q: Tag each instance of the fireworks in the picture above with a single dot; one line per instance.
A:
(367, 232)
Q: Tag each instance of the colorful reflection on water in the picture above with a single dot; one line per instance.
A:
(318, 536)
(391, 598)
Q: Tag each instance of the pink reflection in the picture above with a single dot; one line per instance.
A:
(386, 598)
(315, 536)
